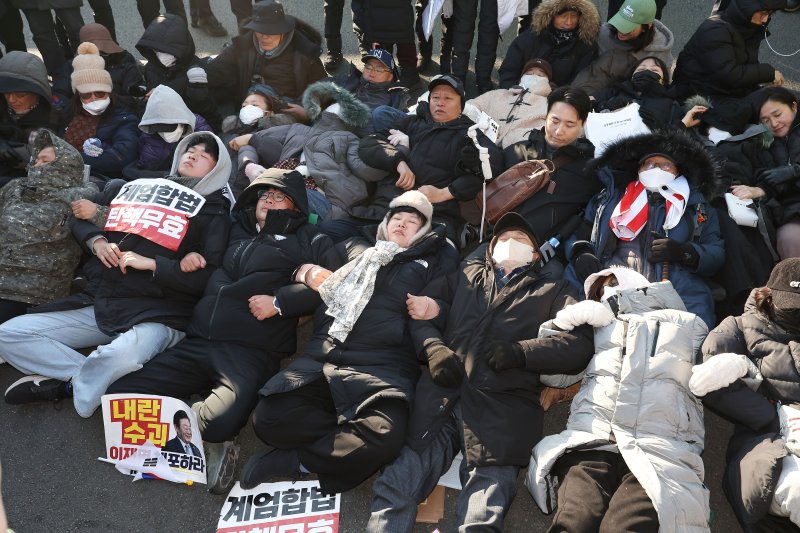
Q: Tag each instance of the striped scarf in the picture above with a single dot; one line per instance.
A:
(630, 214)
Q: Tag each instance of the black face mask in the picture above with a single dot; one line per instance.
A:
(646, 81)
(787, 319)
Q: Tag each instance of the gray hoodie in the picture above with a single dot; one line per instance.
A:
(165, 106)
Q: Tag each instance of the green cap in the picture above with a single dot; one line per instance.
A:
(632, 14)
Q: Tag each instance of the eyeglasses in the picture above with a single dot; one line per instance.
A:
(272, 195)
(379, 70)
(97, 94)
(666, 166)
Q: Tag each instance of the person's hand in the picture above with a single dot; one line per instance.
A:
(778, 175)
(108, 252)
(253, 170)
(237, 142)
(586, 312)
(315, 276)
(407, 179)
(447, 8)
(83, 209)
(718, 372)
(504, 355)
(93, 147)
(666, 249)
(691, 118)
(196, 75)
(446, 369)
(297, 111)
(134, 260)
(470, 159)
(397, 138)
(7, 152)
(192, 262)
(262, 306)
(743, 192)
(421, 307)
(617, 102)
(779, 79)
(435, 195)
(586, 264)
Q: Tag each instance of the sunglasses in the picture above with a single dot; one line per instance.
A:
(97, 94)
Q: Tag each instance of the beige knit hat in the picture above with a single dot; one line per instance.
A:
(413, 201)
(89, 70)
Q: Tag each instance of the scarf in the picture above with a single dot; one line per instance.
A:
(348, 290)
(561, 36)
(82, 126)
(630, 214)
(278, 50)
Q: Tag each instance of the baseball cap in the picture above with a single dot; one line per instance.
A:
(452, 81)
(785, 284)
(632, 14)
(381, 55)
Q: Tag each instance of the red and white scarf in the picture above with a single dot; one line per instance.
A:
(630, 214)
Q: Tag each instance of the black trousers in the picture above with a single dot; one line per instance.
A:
(103, 15)
(464, 13)
(150, 9)
(232, 373)
(43, 28)
(426, 46)
(597, 492)
(343, 455)
(11, 28)
(9, 309)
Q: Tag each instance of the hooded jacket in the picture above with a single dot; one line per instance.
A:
(721, 57)
(567, 58)
(330, 145)
(167, 295)
(39, 255)
(368, 367)
(500, 412)
(785, 197)
(394, 94)
(168, 34)
(232, 72)
(616, 168)
(263, 262)
(616, 58)
(635, 395)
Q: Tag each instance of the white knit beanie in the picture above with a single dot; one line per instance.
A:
(89, 70)
(415, 200)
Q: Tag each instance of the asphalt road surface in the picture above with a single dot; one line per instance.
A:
(53, 481)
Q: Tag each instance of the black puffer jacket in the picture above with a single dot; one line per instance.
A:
(551, 208)
(783, 151)
(233, 71)
(391, 93)
(167, 34)
(567, 58)
(756, 447)
(368, 367)
(721, 58)
(262, 262)
(434, 156)
(502, 418)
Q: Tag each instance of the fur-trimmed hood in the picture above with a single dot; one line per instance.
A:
(693, 160)
(588, 24)
(318, 96)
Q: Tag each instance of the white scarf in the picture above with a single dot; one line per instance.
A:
(348, 290)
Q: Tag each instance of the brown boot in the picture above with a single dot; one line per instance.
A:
(551, 395)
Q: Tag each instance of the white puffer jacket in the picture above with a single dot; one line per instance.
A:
(635, 394)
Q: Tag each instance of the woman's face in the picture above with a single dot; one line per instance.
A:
(562, 126)
(258, 100)
(21, 102)
(268, 43)
(652, 66)
(46, 155)
(402, 227)
(778, 117)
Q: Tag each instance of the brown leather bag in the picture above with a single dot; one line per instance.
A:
(514, 186)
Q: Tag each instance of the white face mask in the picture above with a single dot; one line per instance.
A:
(608, 292)
(530, 80)
(250, 113)
(166, 59)
(172, 136)
(511, 254)
(97, 107)
(655, 178)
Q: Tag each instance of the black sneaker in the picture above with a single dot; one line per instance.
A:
(332, 61)
(37, 389)
(220, 465)
(424, 63)
(271, 463)
(212, 26)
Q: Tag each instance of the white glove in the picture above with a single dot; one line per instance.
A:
(716, 373)
(447, 9)
(196, 75)
(398, 138)
(302, 169)
(585, 312)
(253, 170)
(93, 147)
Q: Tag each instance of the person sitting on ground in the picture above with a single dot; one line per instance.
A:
(260, 110)
(563, 33)
(104, 133)
(653, 217)
(40, 255)
(629, 36)
(476, 328)
(27, 106)
(351, 387)
(246, 321)
(165, 122)
(137, 301)
(629, 458)
(750, 369)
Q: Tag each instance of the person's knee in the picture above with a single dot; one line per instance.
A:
(223, 427)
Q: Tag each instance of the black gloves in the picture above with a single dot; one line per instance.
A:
(616, 102)
(7, 152)
(776, 176)
(586, 264)
(470, 160)
(504, 355)
(445, 367)
(664, 249)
